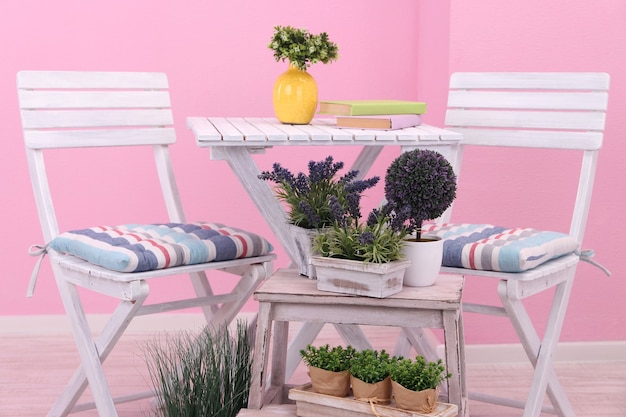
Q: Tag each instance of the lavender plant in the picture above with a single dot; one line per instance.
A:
(419, 186)
(319, 199)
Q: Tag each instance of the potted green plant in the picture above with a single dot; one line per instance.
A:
(420, 185)
(415, 383)
(329, 368)
(369, 376)
(308, 200)
(295, 91)
(358, 258)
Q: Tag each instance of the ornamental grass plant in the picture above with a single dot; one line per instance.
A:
(200, 375)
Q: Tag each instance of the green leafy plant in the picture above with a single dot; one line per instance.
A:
(320, 198)
(302, 48)
(335, 359)
(370, 365)
(206, 374)
(375, 241)
(419, 185)
(418, 374)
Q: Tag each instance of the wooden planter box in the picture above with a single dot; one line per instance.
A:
(312, 404)
(359, 278)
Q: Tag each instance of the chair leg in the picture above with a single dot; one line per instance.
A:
(249, 282)
(540, 352)
(92, 353)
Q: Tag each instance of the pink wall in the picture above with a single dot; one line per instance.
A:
(216, 57)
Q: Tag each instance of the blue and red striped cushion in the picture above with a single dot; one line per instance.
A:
(494, 248)
(145, 247)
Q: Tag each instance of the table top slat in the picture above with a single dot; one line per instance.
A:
(228, 130)
(252, 131)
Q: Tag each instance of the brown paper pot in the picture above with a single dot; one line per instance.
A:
(423, 401)
(377, 393)
(330, 383)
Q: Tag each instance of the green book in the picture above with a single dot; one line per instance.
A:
(369, 107)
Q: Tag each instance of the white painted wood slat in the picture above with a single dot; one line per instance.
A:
(531, 138)
(528, 100)
(91, 79)
(69, 99)
(271, 132)
(229, 132)
(530, 80)
(38, 119)
(203, 130)
(526, 119)
(250, 132)
(50, 139)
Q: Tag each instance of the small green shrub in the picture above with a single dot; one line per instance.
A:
(371, 366)
(419, 374)
(200, 375)
(334, 359)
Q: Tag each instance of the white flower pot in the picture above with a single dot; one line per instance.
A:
(426, 256)
(359, 278)
(303, 239)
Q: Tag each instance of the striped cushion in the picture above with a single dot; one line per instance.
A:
(493, 248)
(138, 247)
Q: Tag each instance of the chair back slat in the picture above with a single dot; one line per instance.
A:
(96, 118)
(526, 119)
(531, 81)
(537, 100)
(92, 99)
(91, 80)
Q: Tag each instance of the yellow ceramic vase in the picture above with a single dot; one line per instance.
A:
(295, 96)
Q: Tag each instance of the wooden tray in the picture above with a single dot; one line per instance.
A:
(312, 404)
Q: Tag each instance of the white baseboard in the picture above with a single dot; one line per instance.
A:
(592, 351)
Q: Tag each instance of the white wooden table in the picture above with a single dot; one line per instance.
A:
(236, 139)
(286, 296)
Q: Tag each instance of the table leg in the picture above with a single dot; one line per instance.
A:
(247, 172)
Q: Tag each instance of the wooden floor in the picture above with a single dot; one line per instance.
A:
(33, 370)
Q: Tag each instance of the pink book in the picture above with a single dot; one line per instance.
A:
(384, 122)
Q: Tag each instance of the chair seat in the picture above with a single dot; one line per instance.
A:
(72, 263)
(493, 248)
(146, 247)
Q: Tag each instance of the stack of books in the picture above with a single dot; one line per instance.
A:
(374, 114)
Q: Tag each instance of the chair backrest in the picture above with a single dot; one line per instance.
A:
(71, 109)
(534, 110)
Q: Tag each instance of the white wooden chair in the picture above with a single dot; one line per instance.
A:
(113, 109)
(559, 111)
